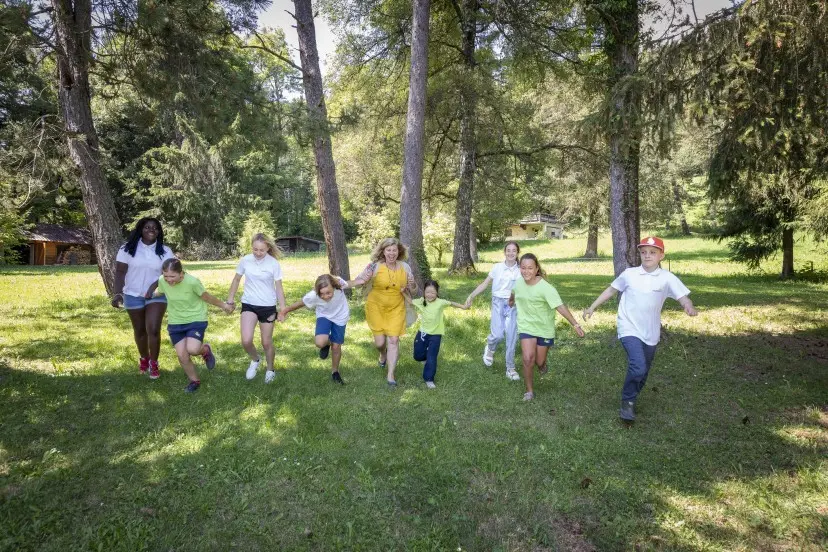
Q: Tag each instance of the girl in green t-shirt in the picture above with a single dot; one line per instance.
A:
(537, 302)
(432, 327)
(187, 316)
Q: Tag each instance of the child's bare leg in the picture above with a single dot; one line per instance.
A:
(527, 347)
(182, 349)
(336, 355)
(540, 355)
(248, 328)
(267, 344)
(320, 340)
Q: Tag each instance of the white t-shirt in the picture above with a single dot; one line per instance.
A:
(336, 310)
(503, 279)
(643, 295)
(259, 276)
(143, 269)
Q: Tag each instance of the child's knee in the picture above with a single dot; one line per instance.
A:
(336, 346)
(321, 340)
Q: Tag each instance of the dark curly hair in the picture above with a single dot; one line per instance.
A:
(132, 241)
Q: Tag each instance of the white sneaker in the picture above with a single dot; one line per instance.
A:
(252, 369)
(270, 375)
(430, 385)
(488, 355)
(512, 375)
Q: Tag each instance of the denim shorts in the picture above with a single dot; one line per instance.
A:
(542, 341)
(134, 302)
(335, 331)
(178, 332)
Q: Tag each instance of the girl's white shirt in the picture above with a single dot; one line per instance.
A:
(336, 310)
(144, 268)
(503, 279)
(259, 277)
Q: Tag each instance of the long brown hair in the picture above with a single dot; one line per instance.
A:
(377, 253)
(531, 257)
(272, 249)
(326, 280)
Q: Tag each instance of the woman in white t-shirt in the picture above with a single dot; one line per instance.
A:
(137, 266)
(332, 314)
(504, 317)
(263, 293)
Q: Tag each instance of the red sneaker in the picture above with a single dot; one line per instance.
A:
(153, 369)
(207, 355)
(143, 365)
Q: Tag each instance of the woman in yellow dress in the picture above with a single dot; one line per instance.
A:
(387, 277)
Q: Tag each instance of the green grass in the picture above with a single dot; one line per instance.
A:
(729, 452)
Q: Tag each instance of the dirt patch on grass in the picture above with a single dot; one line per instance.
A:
(541, 535)
(798, 346)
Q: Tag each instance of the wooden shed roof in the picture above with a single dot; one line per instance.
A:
(57, 233)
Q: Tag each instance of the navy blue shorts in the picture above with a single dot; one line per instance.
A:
(133, 302)
(542, 341)
(335, 331)
(178, 332)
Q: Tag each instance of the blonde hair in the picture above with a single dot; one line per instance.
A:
(377, 253)
(326, 280)
(272, 249)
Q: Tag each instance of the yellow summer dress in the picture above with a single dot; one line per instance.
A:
(385, 306)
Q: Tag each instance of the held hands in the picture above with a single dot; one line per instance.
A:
(468, 303)
(283, 314)
(117, 301)
(228, 307)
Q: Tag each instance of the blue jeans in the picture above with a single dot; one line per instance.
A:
(426, 348)
(503, 325)
(639, 360)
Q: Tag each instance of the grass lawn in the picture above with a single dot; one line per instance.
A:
(730, 451)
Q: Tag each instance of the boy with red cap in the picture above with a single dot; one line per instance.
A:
(643, 292)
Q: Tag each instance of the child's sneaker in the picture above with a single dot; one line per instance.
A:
(252, 369)
(192, 387)
(488, 355)
(627, 412)
(512, 375)
(143, 365)
(270, 375)
(430, 385)
(337, 378)
(323, 352)
(153, 370)
(207, 355)
(528, 396)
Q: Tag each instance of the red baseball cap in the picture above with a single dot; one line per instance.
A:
(652, 241)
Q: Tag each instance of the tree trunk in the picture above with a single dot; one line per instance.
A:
(787, 253)
(411, 212)
(592, 235)
(327, 191)
(473, 243)
(624, 133)
(461, 259)
(685, 229)
(73, 29)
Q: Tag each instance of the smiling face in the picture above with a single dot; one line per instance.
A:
(149, 232)
(510, 253)
(528, 269)
(650, 257)
(430, 293)
(391, 253)
(259, 250)
(326, 293)
(172, 277)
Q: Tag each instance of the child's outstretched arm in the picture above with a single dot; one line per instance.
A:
(564, 310)
(290, 308)
(464, 306)
(234, 287)
(687, 304)
(151, 291)
(216, 302)
(478, 290)
(603, 298)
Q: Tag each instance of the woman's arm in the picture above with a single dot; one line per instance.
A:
(564, 310)
(478, 290)
(605, 295)
(234, 287)
(217, 302)
(120, 276)
(363, 278)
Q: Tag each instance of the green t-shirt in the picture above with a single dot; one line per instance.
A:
(536, 308)
(184, 302)
(431, 316)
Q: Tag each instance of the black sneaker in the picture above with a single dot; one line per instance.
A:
(323, 352)
(627, 412)
(337, 378)
(192, 387)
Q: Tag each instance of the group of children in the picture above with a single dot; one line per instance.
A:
(524, 306)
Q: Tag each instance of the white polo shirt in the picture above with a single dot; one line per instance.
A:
(336, 310)
(503, 279)
(259, 276)
(643, 295)
(143, 269)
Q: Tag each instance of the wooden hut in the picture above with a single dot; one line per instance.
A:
(295, 244)
(51, 244)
